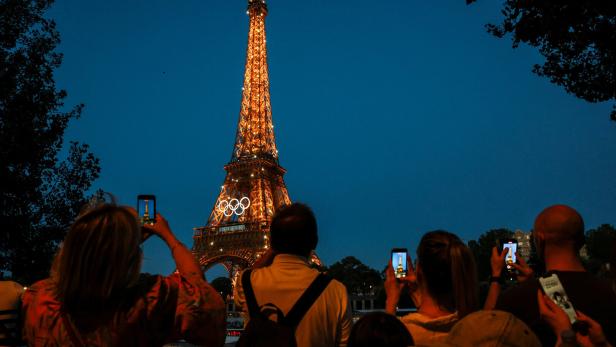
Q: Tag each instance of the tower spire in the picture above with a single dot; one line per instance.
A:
(257, 4)
(238, 228)
(255, 130)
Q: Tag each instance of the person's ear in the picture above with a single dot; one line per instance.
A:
(539, 240)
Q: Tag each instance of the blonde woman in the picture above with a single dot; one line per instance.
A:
(443, 287)
(96, 295)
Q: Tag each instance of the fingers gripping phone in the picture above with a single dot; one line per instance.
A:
(510, 258)
(398, 262)
(556, 292)
(146, 209)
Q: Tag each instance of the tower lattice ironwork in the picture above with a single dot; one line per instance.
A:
(237, 230)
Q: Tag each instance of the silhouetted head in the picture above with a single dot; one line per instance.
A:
(100, 257)
(559, 226)
(379, 329)
(446, 269)
(294, 230)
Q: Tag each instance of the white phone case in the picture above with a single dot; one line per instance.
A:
(554, 289)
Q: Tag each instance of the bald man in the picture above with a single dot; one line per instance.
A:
(559, 235)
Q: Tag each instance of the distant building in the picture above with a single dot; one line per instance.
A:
(584, 253)
(524, 243)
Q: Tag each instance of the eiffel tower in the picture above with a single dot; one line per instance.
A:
(238, 228)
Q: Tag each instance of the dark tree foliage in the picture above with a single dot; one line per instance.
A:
(40, 194)
(576, 37)
(482, 249)
(600, 243)
(223, 286)
(358, 278)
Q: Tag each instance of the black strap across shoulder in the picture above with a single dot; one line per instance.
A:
(305, 301)
(298, 310)
(249, 294)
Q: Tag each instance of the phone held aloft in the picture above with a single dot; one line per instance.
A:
(398, 262)
(510, 258)
(146, 209)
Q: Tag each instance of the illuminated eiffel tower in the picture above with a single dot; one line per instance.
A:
(237, 231)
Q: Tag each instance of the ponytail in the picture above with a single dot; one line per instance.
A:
(448, 271)
(463, 279)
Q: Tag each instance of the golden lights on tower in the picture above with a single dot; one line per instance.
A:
(237, 230)
(400, 271)
(255, 131)
(253, 172)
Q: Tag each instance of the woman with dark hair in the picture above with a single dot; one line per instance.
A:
(96, 295)
(379, 329)
(443, 287)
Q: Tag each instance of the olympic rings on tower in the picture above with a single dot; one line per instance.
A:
(234, 206)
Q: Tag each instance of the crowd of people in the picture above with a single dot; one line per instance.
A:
(444, 288)
(96, 294)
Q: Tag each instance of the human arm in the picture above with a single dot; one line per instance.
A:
(345, 324)
(558, 320)
(185, 261)
(395, 286)
(199, 309)
(554, 316)
(595, 336)
(525, 272)
(497, 261)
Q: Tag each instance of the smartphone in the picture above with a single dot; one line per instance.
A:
(510, 258)
(398, 262)
(146, 209)
(556, 292)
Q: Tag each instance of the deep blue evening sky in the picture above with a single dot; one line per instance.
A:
(392, 117)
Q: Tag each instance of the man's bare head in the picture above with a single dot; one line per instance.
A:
(560, 225)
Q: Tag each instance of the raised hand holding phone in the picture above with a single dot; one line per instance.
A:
(394, 285)
(497, 261)
(184, 260)
(161, 229)
(524, 272)
(399, 261)
(511, 248)
(146, 209)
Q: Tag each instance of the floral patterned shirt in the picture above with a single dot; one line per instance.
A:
(155, 311)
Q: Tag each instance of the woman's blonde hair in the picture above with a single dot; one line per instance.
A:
(448, 271)
(100, 257)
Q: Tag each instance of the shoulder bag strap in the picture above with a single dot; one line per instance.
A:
(305, 301)
(249, 294)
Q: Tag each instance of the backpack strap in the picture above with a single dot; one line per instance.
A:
(305, 301)
(249, 294)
